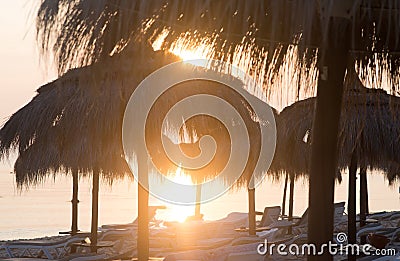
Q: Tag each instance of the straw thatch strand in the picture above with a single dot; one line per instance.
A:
(82, 32)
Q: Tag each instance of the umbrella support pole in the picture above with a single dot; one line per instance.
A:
(352, 229)
(74, 201)
(95, 210)
(332, 64)
(197, 214)
(143, 212)
(252, 211)
(284, 195)
(363, 200)
(291, 201)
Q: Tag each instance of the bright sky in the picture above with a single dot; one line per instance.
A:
(20, 67)
(21, 71)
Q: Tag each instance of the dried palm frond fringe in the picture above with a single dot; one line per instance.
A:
(74, 122)
(82, 32)
(369, 128)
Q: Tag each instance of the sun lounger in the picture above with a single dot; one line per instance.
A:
(247, 255)
(391, 234)
(152, 213)
(382, 215)
(248, 251)
(234, 217)
(189, 256)
(371, 228)
(75, 257)
(283, 223)
(225, 227)
(301, 223)
(117, 234)
(206, 244)
(269, 216)
(381, 227)
(100, 244)
(52, 249)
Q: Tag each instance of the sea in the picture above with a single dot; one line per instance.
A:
(45, 210)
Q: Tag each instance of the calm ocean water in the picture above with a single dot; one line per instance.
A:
(46, 210)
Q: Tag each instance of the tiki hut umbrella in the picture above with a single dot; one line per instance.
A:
(368, 138)
(74, 123)
(368, 26)
(18, 132)
(288, 160)
(69, 145)
(201, 125)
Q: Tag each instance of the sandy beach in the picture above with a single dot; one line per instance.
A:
(214, 240)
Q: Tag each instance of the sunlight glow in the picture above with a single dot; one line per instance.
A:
(181, 178)
(159, 40)
(266, 81)
(177, 212)
(191, 46)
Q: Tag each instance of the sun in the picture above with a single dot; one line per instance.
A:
(177, 212)
(187, 55)
(188, 47)
(190, 52)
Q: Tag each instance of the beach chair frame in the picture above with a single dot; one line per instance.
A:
(34, 249)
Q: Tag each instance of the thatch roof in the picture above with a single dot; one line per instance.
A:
(75, 122)
(82, 32)
(369, 127)
(203, 125)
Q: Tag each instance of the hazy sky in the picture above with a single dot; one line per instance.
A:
(21, 71)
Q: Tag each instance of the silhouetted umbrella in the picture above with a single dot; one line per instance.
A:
(105, 26)
(368, 138)
(370, 129)
(289, 160)
(74, 124)
(203, 125)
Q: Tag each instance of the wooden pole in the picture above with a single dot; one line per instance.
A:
(143, 211)
(332, 66)
(252, 211)
(95, 210)
(291, 200)
(284, 195)
(363, 200)
(197, 213)
(74, 201)
(364, 205)
(352, 228)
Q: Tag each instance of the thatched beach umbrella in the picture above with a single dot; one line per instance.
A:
(203, 125)
(74, 124)
(288, 160)
(368, 138)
